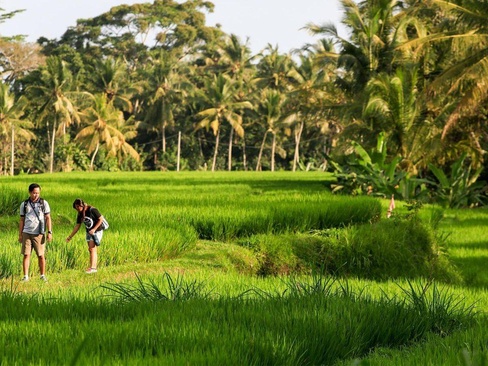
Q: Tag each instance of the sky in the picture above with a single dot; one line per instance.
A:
(261, 22)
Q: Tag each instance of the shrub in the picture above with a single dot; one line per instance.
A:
(401, 247)
(274, 254)
(383, 250)
(460, 187)
(374, 173)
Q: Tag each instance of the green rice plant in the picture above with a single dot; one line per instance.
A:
(10, 200)
(387, 249)
(176, 289)
(321, 250)
(6, 267)
(62, 256)
(12, 298)
(464, 346)
(157, 217)
(295, 214)
(274, 255)
(170, 212)
(119, 246)
(246, 319)
(393, 249)
(319, 284)
(474, 358)
(444, 311)
(467, 247)
(324, 327)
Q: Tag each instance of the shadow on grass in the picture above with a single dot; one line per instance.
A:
(473, 270)
(320, 328)
(470, 245)
(464, 223)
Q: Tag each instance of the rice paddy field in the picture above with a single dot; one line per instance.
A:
(243, 268)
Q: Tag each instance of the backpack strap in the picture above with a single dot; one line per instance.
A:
(41, 202)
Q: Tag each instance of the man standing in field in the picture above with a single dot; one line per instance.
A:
(35, 217)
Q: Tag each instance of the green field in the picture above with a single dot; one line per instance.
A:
(243, 268)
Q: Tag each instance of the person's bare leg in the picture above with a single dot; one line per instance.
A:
(25, 265)
(42, 265)
(92, 248)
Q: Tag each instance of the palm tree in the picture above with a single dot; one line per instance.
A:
(54, 92)
(370, 49)
(230, 57)
(306, 99)
(395, 106)
(109, 76)
(375, 28)
(237, 63)
(273, 69)
(166, 87)
(104, 127)
(236, 60)
(10, 123)
(220, 95)
(271, 108)
(464, 76)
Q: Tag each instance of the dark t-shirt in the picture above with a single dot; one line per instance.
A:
(92, 216)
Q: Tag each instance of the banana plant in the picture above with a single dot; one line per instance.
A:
(373, 173)
(461, 188)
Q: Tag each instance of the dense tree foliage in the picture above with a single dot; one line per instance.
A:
(152, 86)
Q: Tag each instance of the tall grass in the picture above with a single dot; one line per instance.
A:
(137, 324)
(10, 200)
(387, 249)
(160, 216)
(229, 317)
(6, 266)
(177, 289)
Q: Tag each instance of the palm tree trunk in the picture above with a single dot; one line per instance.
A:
(92, 161)
(214, 163)
(298, 136)
(258, 165)
(200, 149)
(200, 146)
(244, 156)
(12, 154)
(179, 152)
(163, 137)
(51, 157)
(273, 149)
(229, 162)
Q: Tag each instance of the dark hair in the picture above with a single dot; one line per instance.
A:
(34, 186)
(78, 202)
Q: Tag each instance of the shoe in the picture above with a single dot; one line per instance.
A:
(91, 270)
(25, 279)
(43, 278)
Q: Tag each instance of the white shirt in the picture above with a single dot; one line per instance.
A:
(34, 216)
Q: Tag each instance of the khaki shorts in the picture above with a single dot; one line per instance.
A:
(35, 241)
